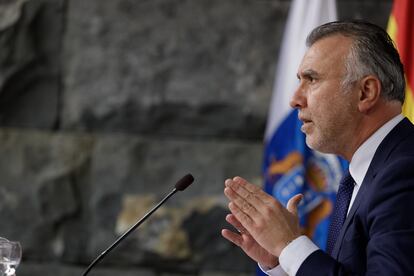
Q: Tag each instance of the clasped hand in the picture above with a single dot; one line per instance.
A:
(264, 226)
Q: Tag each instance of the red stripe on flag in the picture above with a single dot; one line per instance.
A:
(403, 11)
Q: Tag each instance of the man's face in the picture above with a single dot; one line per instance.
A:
(329, 114)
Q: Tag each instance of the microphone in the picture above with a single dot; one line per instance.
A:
(181, 185)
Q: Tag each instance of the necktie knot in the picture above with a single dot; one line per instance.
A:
(343, 198)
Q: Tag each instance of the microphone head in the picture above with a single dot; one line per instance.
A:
(184, 182)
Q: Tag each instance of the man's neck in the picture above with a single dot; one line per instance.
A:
(369, 124)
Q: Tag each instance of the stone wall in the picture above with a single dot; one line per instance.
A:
(104, 104)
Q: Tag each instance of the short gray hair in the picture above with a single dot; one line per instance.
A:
(372, 53)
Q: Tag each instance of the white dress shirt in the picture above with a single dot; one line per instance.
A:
(295, 253)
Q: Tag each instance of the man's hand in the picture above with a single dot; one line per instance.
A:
(268, 223)
(246, 242)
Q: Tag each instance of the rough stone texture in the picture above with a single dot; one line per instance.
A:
(171, 67)
(39, 193)
(122, 165)
(375, 11)
(85, 190)
(210, 252)
(30, 62)
(137, 94)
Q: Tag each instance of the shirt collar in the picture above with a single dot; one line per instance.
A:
(363, 156)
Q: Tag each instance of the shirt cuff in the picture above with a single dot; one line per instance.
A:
(295, 253)
(276, 271)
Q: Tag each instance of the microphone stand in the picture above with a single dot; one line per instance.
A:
(132, 228)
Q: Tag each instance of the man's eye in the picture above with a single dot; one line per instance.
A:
(310, 79)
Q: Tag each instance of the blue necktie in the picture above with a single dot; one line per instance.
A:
(343, 198)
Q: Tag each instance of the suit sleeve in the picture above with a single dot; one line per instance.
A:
(390, 249)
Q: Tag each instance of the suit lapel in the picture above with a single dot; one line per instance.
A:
(400, 131)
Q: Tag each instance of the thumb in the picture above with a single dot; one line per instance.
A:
(292, 205)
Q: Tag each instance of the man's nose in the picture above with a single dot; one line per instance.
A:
(298, 99)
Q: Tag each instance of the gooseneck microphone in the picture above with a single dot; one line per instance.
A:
(181, 185)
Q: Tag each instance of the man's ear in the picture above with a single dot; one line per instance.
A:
(369, 93)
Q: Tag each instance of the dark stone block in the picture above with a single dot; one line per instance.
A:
(179, 68)
(375, 11)
(57, 199)
(211, 252)
(38, 194)
(30, 64)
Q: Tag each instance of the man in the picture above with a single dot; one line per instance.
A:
(349, 97)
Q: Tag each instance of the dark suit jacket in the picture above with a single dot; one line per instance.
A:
(378, 235)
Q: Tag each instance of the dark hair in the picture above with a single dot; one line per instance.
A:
(372, 53)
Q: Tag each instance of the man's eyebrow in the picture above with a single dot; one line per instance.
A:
(307, 73)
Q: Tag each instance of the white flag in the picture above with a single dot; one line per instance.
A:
(289, 166)
(304, 16)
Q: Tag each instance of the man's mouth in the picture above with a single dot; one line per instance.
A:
(304, 120)
(306, 124)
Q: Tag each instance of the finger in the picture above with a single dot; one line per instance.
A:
(245, 220)
(232, 237)
(245, 184)
(230, 218)
(293, 203)
(239, 182)
(260, 195)
(259, 201)
(236, 188)
(246, 205)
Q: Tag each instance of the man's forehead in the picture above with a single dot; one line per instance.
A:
(326, 54)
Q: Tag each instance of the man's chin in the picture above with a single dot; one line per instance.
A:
(315, 145)
(310, 145)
